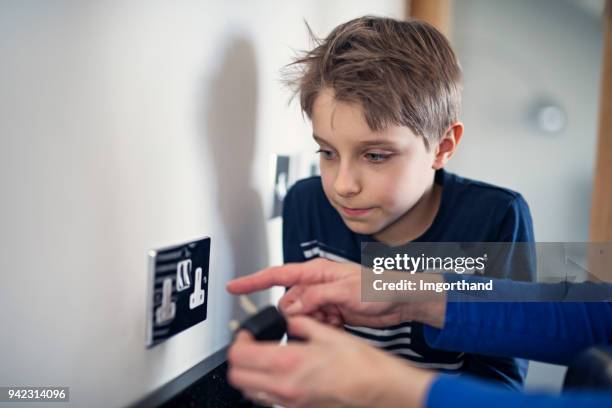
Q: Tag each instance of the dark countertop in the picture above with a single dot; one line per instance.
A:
(210, 391)
(204, 385)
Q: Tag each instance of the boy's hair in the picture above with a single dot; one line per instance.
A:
(401, 73)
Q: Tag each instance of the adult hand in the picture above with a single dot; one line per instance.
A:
(328, 369)
(326, 290)
(331, 292)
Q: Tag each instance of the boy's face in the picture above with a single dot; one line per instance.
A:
(371, 178)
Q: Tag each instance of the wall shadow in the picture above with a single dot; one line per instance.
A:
(231, 119)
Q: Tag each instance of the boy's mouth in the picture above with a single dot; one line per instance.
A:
(355, 212)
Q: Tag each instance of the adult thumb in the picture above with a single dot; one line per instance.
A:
(306, 328)
(314, 297)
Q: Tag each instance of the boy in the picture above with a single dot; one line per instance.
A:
(384, 98)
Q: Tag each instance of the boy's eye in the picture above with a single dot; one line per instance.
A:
(326, 154)
(377, 157)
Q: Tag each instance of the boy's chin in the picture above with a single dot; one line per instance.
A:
(363, 228)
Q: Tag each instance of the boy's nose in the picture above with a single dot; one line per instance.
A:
(346, 183)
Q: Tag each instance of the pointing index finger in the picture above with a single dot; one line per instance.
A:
(285, 275)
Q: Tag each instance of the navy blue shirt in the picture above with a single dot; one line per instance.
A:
(470, 211)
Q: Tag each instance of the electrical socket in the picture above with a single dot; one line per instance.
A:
(177, 295)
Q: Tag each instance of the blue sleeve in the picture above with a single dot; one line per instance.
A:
(291, 229)
(449, 391)
(552, 332)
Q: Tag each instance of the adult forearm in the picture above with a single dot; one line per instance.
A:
(431, 313)
(401, 386)
(549, 332)
(452, 391)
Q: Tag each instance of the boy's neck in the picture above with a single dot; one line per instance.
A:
(415, 221)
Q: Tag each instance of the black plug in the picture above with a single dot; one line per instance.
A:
(267, 324)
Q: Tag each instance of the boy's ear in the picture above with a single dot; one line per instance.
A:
(447, 145)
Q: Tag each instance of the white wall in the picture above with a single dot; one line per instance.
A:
(126, 126)
(515, 53)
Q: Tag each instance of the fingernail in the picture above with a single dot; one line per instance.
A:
(294, 308)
